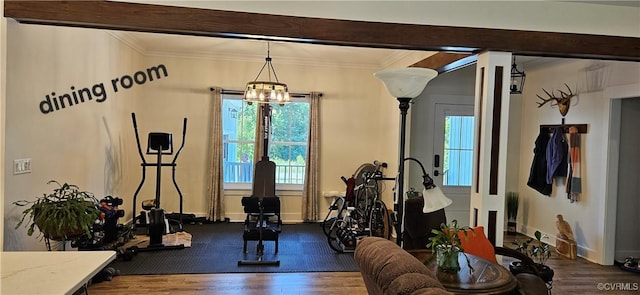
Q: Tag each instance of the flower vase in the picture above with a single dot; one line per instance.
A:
(447, 258)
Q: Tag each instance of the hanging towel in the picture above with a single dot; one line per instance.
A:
(557, 151)
(538, 174)
(574, 182)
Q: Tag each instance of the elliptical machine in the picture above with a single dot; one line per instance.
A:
(157, 224)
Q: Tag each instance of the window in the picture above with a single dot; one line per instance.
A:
(287, 144)
(238, 134)
(458, 150)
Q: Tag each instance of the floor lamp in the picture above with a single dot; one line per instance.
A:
(406, 84)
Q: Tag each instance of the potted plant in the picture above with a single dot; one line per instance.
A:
(512, 212)
(539, 252)
(446, 246)
(62, 214)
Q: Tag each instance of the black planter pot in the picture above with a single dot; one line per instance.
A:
(512, 228)
(545, 272)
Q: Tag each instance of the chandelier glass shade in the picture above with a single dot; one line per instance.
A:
(405, 82)
(267, 91)
(434, 199)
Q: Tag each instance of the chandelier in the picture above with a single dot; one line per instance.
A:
(266, 91)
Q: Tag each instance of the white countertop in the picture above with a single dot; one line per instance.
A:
(50, 272)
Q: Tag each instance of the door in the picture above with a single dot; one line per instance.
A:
(627, 241)
(453, 157)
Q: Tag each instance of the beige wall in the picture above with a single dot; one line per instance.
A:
(586, 217)
(82, 144)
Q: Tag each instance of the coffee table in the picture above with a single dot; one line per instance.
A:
(487, 277)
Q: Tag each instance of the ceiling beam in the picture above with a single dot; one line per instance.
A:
(219, 23)
(446, 62)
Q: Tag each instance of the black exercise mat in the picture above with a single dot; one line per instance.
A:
(217, 248)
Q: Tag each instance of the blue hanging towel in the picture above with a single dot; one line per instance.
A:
(557, 151)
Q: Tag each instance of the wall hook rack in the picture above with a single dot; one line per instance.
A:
(582, 128)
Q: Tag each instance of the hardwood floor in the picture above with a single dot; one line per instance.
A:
(580, 277)
(244, 283)
(571, 277)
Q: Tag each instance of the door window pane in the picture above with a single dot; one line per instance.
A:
(458, 150)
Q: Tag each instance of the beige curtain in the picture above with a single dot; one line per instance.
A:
(311, 189)
(215, 191)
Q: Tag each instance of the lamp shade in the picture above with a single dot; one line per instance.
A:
(405, 82)
(434, 200)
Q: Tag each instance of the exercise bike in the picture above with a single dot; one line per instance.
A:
(360, 212)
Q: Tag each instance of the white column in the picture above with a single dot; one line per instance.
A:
(490, 149)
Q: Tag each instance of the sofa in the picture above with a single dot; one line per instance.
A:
(388, 269)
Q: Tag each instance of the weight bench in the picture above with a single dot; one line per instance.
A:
(263, 222)
(270, 223)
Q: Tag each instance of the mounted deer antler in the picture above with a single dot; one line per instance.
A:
(562, 102)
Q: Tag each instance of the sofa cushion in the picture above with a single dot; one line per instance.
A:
(388, 269)
(408, 283)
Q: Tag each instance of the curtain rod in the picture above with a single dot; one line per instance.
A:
(239, 92)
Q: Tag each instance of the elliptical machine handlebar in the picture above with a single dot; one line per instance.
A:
(175, 157)
(184, 134)
(135, 129)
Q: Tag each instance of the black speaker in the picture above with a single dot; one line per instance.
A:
(159, 141)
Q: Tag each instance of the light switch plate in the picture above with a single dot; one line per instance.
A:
(21, 166)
